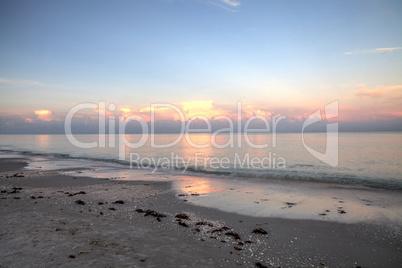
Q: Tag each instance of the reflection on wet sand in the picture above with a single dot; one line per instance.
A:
(197, 186)
(292, 200)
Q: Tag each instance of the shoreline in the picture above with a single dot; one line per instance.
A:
(381, 172)
(250, 196)
(56, 227)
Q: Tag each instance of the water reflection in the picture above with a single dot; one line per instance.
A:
(197, 186)
(42, 140)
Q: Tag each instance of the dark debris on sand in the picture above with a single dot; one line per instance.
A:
(79, 202)
(80, 192)
(222, 229)
(204, 223)
(182, 216)
(290, 204)
(154, 214)
(234, 235)
(118, 202)
(150, 212)
(15, 190)
(259, 230)
(259, 265)
(181, 223)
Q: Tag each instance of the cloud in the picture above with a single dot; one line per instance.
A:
(365, 93)
(230, 5)
(125, 110)
(42, 112)
(20, 82)
(372, 51)
(44, 115)
(192, 109)
(372, 115)
(31, 84)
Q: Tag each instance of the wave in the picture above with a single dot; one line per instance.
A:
(389, 184)
(247, 174)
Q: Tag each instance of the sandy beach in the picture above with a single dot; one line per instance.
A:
(49, 219)
(201, 133)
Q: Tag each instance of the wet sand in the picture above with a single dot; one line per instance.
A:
(48, 219)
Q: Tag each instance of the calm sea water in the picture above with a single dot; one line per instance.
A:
(371, 159)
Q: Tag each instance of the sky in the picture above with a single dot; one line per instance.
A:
(288, 58)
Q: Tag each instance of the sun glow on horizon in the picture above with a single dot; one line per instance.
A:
(193, 109)
(42, 112)
(44, 115)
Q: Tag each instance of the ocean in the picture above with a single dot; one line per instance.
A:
(371, 159)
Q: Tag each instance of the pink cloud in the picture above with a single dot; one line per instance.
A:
(377, 92)
(44, 115)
